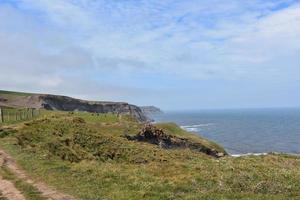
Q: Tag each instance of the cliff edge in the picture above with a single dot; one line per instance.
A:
(149, 110)
(64, 103)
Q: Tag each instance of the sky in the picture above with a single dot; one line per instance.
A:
(174, 54)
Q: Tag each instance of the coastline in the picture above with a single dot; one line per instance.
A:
(235, 155)
(243, 132)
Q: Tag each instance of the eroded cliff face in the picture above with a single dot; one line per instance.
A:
(150, 110)
(156, 136)
(64, 103)
(53, 102)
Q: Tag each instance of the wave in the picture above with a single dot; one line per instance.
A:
(190, 129)
(249, 154)
(196, 127)
(264, 154)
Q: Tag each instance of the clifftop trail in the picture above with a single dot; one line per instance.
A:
(11, 193)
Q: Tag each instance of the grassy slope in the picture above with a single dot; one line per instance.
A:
(11, 93)
(107, 166)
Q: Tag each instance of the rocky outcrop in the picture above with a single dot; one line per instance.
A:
(64, 103)
(53, 102)
(156, 136)
(149, 110)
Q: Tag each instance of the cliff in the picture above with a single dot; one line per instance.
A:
(148, 110)
(64, 103)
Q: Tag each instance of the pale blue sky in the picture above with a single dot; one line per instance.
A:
(175, 54)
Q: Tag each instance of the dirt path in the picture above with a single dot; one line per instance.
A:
(9, 191)
(9, 162)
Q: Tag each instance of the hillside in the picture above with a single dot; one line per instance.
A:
(64, 103)
(90, 157)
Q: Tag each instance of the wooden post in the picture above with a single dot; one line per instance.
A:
(1, 116)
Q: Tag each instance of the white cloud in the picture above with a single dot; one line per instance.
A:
(48, 43)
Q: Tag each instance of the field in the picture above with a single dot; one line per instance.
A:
(13, 115)
(87, 156)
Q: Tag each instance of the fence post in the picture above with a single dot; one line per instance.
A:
(1, 116)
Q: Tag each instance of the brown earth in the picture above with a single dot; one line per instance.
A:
(9, 191)
(154, 135)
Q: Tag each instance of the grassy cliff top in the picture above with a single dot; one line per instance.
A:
(10, 95)
(3, 92)
(87, 156)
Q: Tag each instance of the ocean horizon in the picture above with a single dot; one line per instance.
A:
(243, 131)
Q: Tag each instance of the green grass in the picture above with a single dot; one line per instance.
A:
(88, 157)
(4, 92)
(2, 197)
(97, 117)
(16, 115)
(26, 189)
(11, 96)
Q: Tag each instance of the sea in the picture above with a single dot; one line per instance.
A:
(243, 131)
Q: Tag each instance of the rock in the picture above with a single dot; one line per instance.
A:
(151, 134)
(154, 136)
(219, 155)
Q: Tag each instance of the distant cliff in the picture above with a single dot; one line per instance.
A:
(148, 110)
(64, 103)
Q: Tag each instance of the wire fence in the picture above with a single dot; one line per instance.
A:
(8, 115)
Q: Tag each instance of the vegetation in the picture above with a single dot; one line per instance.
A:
(11, 93)
(86, 155)
(13, 115)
